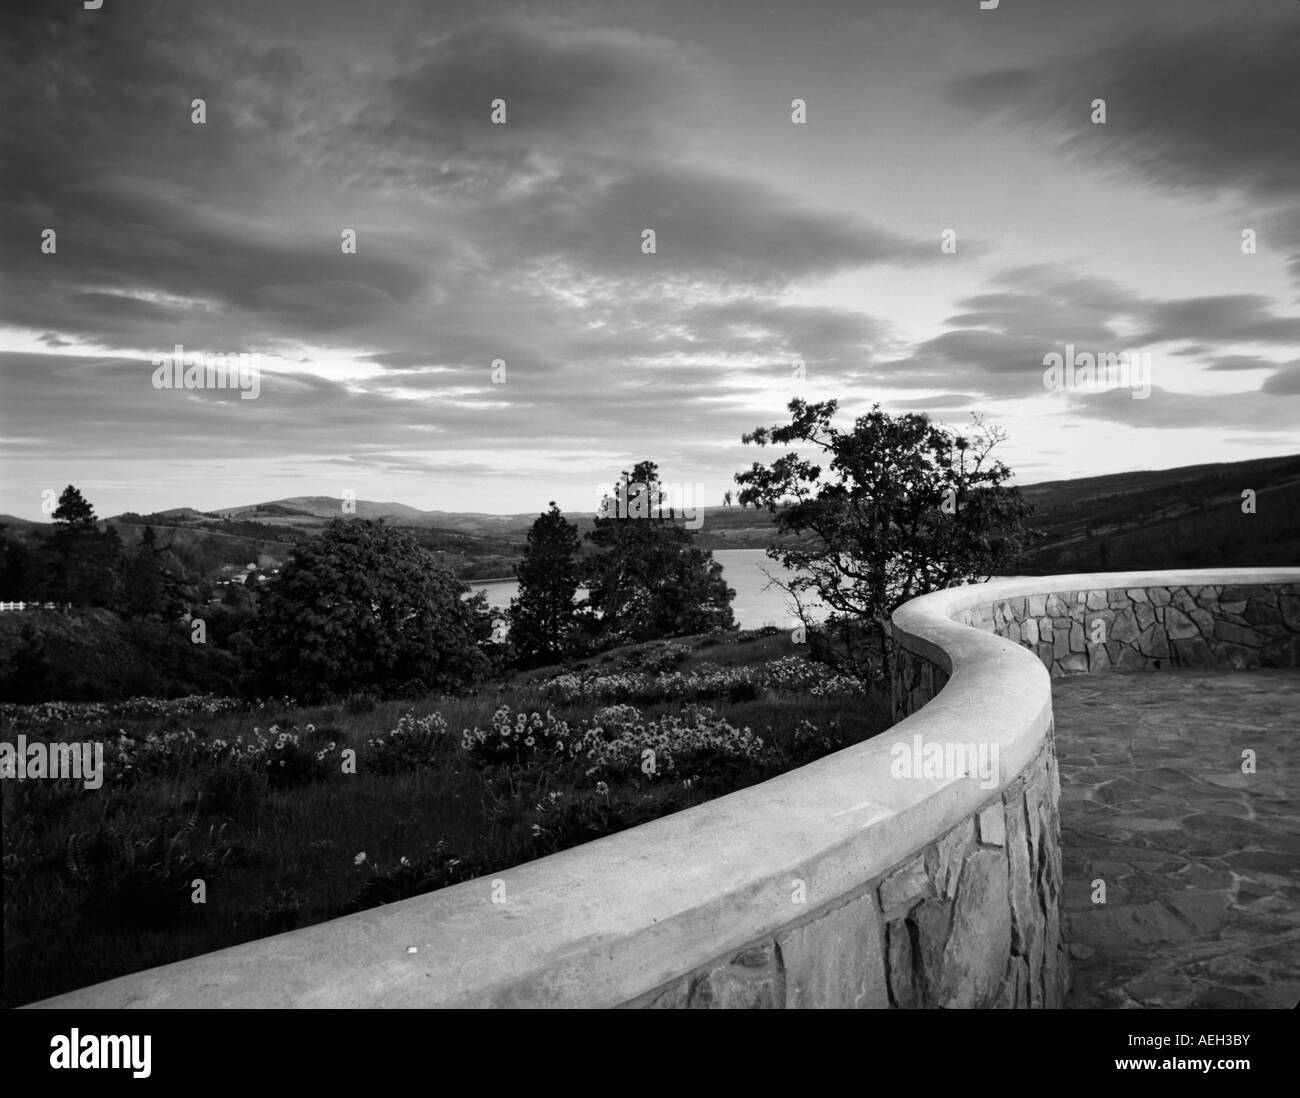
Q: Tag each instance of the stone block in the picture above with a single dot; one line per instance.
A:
(1060, 641)
(992, 825)
(1037, 606)
(1226, 631)
(1290, 607)
(1145, 615)
(1236, 657)
(1153, 643)
(1098, 657)
(1029, 632)
(837, 961)
(1137, 594)
(1130, 659)
(904, 986)
(1025, 914)
(905, 885)
(1281, 652)
(979, 937)
(1178, 626)
(747, 982)
(1125, 628)
(1260, 612)
(1096, 600)
(1193, 652)
(676, 997)
(1056, 608)
(943, 860)
(931, 921)
(1160, 596)
(1076, 663)
(1077, 643)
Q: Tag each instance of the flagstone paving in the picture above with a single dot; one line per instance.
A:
(1201, 862)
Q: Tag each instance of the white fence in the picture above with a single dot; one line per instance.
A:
(32, 605)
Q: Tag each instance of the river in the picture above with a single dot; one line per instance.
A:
(747, 571)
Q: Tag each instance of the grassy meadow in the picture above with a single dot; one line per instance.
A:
(284, 829)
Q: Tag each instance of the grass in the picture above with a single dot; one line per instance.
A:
(100, 883)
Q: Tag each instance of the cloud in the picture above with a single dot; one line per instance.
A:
(1208, 106)
(1205, 109)
(1165, 409)
(1221, 318)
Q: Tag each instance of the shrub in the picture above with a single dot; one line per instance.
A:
(414, 743)
(143, 878)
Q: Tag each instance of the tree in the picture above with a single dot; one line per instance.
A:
(73, 511)
(904, 507)
(83, 562)
(363, 607)
(645, 576)
(20, 570)
(29, 676)
(142, 584)
(543, 618)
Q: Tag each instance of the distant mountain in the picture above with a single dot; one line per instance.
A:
(1167, 518)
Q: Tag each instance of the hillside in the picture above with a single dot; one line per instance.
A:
(1189, 516)
(1169, 518)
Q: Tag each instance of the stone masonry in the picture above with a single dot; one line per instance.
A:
(971, 920)
(1149, 629)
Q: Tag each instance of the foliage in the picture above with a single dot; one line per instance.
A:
(414, 743)
(362, 607)
(645, 576)
(543, 618)
(902, 507)
(29, 676)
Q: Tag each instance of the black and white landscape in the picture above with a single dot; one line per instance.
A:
(412, 414)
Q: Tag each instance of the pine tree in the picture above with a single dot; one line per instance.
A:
(543, 616)
(73, 511)
(646, 577)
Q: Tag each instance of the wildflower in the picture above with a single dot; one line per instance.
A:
(359, 858)
(602, 789)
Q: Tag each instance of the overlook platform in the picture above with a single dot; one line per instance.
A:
(858, 881)
(1201, 861)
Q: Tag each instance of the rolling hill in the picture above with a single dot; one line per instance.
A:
(1167, 518)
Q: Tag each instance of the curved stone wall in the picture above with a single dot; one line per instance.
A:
(918, 869)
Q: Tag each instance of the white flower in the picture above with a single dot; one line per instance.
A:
(359, 858)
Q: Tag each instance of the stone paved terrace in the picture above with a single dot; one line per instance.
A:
(1201, 862)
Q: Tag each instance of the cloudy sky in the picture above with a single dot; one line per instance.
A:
(522, 242)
